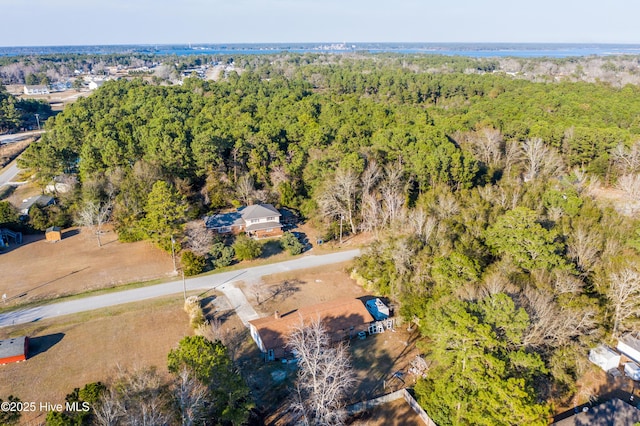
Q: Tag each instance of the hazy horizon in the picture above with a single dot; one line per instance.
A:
(146, 22)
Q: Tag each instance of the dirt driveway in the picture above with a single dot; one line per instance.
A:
(38, 269)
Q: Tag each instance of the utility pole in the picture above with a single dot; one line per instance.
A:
(173, 254)
(341, 218)
(184, 286)
(38, 120)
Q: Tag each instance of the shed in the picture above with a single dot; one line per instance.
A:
(53, 234)
(377, 309)
(632, 370)
(14, 349)
(604, 357)
(629, 345)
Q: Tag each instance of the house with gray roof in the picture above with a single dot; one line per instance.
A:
(39, 200)
(614, 412)
(257, 221)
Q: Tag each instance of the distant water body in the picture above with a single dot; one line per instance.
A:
(476, 50)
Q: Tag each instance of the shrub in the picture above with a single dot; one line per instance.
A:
(194, 310)
(246, 248)
(221, 255)
(289, 242)
(192, 263)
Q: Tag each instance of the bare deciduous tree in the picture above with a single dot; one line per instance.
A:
(487, 144)
(190, 396)
(392, 192)
(585, 245)
(623, 293)
(325, 376)
(630, 184)
(553, 325)
(245, 189)
(338, 199)
(421, 224)
(109, 409)
(626, 160)
(198, 238)
(370, 206)
(539, 159)
(93, 215)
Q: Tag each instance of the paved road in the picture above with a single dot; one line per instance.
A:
(9, 173)
(15, 137)
(204, 283)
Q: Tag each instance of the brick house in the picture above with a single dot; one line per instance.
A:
(257, 221)
(342, 318)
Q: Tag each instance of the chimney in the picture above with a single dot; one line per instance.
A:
(276, 315)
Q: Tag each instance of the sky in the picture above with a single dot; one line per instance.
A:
(90, 22)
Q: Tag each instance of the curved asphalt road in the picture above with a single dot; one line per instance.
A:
(208, 282)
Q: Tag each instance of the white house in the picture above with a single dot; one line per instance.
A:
(36, 90)
(629, 345)
(95, 84)
(604, 357)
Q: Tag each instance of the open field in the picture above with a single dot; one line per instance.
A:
(74, 350)
(39, 269)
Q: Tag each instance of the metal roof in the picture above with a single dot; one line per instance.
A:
(224, 219)
(259, 211)
(263, 225)
(12, 347)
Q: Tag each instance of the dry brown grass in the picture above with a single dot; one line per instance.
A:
(40, 269)
(8, 152)
(291, 290)
(89, 347)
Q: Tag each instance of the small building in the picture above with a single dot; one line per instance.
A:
(377, 309)
(342, 318)
(14, 350)
(604, 357)
(629, 345)
(39, 200)
(53, 234)
(95, 84)
(36, 89)
(632, 370)
(257, 221)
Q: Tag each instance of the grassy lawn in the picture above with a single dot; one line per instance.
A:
(70, 351)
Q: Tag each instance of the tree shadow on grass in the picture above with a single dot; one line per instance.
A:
(270, 248)
(41, 344)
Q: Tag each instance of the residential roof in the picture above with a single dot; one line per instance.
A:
(53, 229)
(611, 413)
(35, 86)
(224, 219)
(337, 316)
(631, 340)
(41, 200)
(258, 211)
(12, 347)
(263, 225)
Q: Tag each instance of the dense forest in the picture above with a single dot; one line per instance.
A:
(478, 188)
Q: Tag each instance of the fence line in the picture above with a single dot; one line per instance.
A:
(402, 393)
